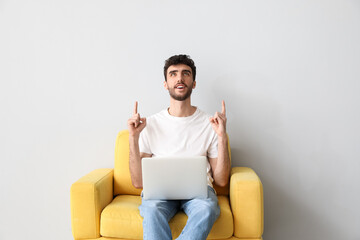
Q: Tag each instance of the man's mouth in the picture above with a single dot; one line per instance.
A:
(180, 86)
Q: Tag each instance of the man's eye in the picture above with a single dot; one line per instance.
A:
(187, 74)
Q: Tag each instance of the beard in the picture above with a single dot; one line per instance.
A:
(181, 97)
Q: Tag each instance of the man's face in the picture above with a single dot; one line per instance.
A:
(180, 81)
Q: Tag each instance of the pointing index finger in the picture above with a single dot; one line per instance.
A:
(223, 111)
(135, 108)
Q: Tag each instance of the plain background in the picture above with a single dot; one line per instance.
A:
(289, 72)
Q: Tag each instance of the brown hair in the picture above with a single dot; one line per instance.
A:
(180, 59)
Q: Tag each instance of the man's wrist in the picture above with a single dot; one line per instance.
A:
(222, 137)
(134, 138)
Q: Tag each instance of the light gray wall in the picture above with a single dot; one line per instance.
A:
(289, 72)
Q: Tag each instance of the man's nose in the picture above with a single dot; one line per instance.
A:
(179, 78)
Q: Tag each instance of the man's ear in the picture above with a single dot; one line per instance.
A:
(194, 84)
(166, 85)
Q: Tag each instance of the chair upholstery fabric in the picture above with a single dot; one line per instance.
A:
(104, 204)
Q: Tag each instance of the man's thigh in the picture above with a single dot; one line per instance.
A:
(165, 208)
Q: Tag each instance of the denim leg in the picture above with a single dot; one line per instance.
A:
(156, 216)
(202, 213)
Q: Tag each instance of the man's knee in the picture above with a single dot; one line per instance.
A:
(210, 210)
(205, 209)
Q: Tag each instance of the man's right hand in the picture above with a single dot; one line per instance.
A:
(136, 124)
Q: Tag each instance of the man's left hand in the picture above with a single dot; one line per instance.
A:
(218, 121)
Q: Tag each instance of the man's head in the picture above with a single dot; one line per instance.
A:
(179, 71)
(180, 59)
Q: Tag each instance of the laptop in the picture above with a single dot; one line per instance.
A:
(174, 178)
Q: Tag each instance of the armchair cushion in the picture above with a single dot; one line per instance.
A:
(121, 219)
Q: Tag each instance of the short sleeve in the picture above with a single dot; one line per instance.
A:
(213, 148)
(144, 145)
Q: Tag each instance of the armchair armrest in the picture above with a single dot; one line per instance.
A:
(88, 197)
(246, 199)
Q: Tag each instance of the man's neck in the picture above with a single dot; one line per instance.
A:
(181, 108)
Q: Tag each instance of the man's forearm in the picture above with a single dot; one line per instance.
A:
(135, 162)
(223, 165)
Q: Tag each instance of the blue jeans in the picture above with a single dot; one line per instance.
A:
(201, 213)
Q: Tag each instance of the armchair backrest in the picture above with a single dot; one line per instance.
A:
(122, 179)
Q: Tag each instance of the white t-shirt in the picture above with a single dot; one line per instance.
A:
(166, 135)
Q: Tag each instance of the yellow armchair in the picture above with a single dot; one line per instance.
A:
(104, 204)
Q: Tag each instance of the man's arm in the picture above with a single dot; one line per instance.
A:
(221, 165)
(135, 162)
(135, 126)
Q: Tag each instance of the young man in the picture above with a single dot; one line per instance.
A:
(180, 130)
